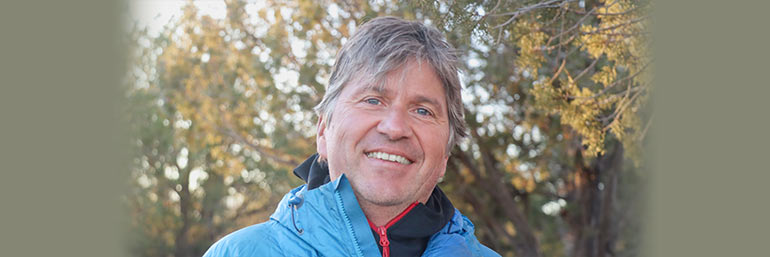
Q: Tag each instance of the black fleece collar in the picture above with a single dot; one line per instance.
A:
(313, 172)
(409, 236)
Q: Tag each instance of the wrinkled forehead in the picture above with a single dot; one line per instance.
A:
(396, 74)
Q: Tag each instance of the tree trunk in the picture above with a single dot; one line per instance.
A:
(612, 167)
(592, 221)
(182, 246)
(524, 242)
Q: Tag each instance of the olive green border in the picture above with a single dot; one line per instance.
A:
(60, 155)
(709, 149)
(62, 172)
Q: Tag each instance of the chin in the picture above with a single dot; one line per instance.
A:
(385, 197)
(387, 201)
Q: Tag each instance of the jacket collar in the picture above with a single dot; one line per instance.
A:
(313, 172)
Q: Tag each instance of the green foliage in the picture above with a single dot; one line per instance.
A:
(555, 92)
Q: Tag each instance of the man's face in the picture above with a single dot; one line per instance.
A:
(390, 143)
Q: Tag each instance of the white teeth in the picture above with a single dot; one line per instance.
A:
(388, 157)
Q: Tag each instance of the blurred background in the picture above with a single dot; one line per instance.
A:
(219, 97)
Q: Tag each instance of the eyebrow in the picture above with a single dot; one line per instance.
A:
(425, 99)
(385, 91)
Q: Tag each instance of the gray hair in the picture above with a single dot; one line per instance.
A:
(384, 44)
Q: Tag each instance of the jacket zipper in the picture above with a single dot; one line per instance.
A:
(383, 230)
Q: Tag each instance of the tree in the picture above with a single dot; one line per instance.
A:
(216, 138)
(559, 88)
(555, 93)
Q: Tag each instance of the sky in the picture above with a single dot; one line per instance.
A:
(154, 14)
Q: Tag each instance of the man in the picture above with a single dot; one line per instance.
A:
(390, 116)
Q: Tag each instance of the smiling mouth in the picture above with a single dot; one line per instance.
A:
(388, 157)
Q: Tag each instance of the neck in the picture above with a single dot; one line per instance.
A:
(381, 215)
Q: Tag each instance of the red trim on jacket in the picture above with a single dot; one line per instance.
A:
(383, 230)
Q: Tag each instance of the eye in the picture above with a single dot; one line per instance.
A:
(424, 112)
(373, 101)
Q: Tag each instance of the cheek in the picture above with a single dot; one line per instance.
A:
(341, 144)
(435, 144)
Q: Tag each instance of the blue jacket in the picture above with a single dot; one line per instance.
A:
(328, 221)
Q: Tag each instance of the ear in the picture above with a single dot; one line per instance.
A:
(442, 169)
(320, 138)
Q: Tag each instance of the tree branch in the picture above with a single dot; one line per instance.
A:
(617, 82)
(646, 127)
(616, 26)
(585, 71)
(525, 242)
(577, 24)
(526, 9)
(262, 151)
(556, 74)
(610, 14)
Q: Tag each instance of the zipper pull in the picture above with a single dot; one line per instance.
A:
(384, 241)
(383, 230)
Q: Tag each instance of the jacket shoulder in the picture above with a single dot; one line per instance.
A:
(457, 239)
(264, 239)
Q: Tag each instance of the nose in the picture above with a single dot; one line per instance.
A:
(395, 125)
